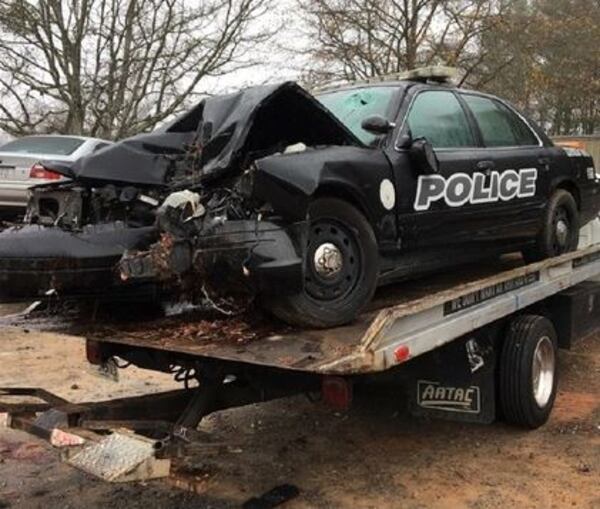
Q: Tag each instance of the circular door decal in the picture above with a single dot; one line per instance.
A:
(387, 194)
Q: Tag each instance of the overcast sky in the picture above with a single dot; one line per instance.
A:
(280, 58)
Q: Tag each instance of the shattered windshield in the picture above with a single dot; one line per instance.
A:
(351, 107)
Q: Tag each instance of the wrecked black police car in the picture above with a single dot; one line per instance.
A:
(303, 204)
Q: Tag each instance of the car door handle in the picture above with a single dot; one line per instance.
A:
(486, 166)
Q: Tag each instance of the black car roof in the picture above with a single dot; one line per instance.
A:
(418, 84)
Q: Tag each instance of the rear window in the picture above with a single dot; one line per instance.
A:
(46, 145)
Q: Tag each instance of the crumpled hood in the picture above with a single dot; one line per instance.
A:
(234, 125)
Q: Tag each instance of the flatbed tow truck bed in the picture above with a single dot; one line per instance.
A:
(455, 343)
(415, 317)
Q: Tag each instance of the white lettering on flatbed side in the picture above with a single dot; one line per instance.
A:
(462, 188)
(433, 395)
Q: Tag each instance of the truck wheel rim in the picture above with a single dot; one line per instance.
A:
(334, 261)
(543, 366)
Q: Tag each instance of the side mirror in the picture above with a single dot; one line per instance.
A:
(423, 156)
(376, 124)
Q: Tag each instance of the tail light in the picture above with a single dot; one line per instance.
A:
(337, 392)
(94, 352)
(39, 172)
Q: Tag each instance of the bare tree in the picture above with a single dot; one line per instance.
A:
(363, 38)
(112, 68)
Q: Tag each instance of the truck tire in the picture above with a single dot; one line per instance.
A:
(560, 230)
(528, 374)
(341, 268)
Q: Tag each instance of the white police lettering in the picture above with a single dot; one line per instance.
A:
(462, 188)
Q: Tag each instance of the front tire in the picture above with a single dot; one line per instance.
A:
(528, 374)
(341, 268)
(560, 231)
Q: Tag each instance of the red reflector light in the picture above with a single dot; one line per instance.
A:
(39, 172)
(93, 352)
(337, 392)
(402, 353)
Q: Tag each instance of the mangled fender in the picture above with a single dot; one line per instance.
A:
(288, 182)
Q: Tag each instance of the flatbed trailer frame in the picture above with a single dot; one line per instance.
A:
(440, 339)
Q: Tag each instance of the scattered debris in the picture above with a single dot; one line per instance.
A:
(584, 468)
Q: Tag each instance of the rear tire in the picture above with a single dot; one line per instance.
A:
(560, 231)
(341, 268)
(528, 371)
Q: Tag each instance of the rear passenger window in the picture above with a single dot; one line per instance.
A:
(439, 117)
(499, 126)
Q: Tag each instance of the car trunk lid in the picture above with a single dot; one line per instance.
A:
(16, 167)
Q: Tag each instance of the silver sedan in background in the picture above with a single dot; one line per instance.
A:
(20, 168)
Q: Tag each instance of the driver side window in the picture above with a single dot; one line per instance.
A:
(438, 116)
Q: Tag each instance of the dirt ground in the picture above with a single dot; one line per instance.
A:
(370, 457)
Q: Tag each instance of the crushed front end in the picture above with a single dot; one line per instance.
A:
(91, 241)
(185, 210)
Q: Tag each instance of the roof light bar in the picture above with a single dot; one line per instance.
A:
(433, 73)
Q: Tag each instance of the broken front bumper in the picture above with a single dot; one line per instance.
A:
(267, 256)
(35, 259)
(110, 257)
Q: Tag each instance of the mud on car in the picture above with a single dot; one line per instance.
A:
(303, 203)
